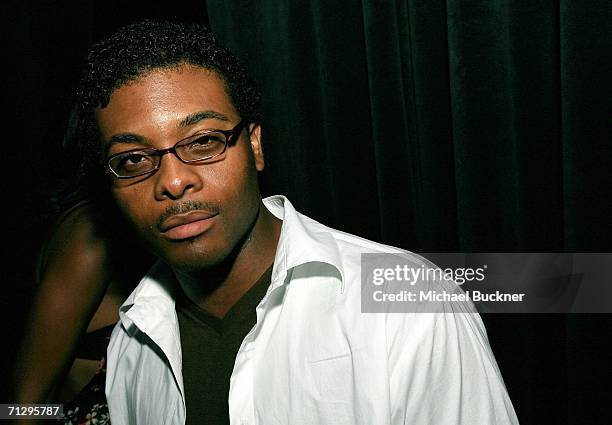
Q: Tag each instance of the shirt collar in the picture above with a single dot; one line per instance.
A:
(302, 240)
(150, 309)
(154, 292)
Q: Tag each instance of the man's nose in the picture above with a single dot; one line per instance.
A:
(175, 178)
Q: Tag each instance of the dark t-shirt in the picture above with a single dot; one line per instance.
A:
(209, 348)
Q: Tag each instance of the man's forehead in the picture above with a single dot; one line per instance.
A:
(186, 95)
(169, 79)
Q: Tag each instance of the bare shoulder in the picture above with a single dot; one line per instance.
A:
(75, 243)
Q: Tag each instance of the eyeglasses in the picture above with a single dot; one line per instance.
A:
(201, 148)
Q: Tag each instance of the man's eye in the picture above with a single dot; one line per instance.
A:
(135, 161)
(208, 140)
(205, 144)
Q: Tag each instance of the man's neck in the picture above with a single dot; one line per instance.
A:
(253, 258)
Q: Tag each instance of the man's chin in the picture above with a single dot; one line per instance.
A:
(194, 260)
(190, 265)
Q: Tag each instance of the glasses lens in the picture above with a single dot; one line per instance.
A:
(202, 146)
(135, 163)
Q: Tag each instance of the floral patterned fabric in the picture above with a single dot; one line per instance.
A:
(89, 406)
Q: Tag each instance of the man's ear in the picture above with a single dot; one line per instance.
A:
(256, 146)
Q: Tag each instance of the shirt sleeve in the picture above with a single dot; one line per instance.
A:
(442, 370)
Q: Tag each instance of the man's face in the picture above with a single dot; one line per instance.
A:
(191, 215)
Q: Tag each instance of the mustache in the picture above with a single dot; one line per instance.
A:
(188, 206)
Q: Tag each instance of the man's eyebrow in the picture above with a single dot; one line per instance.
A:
(122, 138)
(199, 116)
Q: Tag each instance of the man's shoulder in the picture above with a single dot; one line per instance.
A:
(354, 249)
(348, 241)
(357, 243)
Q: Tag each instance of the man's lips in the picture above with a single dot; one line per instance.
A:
(188, 225)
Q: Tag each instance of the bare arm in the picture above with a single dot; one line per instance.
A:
(73, 281)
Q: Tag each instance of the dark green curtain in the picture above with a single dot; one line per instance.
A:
(471, 126)
(465, 125)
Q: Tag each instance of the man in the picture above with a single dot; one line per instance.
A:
(252, 313)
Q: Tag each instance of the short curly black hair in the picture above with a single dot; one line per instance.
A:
(132, 52)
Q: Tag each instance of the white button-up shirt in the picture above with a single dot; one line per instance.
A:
(313, 358)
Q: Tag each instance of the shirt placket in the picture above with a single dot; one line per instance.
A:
(241, 407)
(241, 396)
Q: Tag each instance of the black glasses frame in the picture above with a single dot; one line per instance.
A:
(231, 136)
